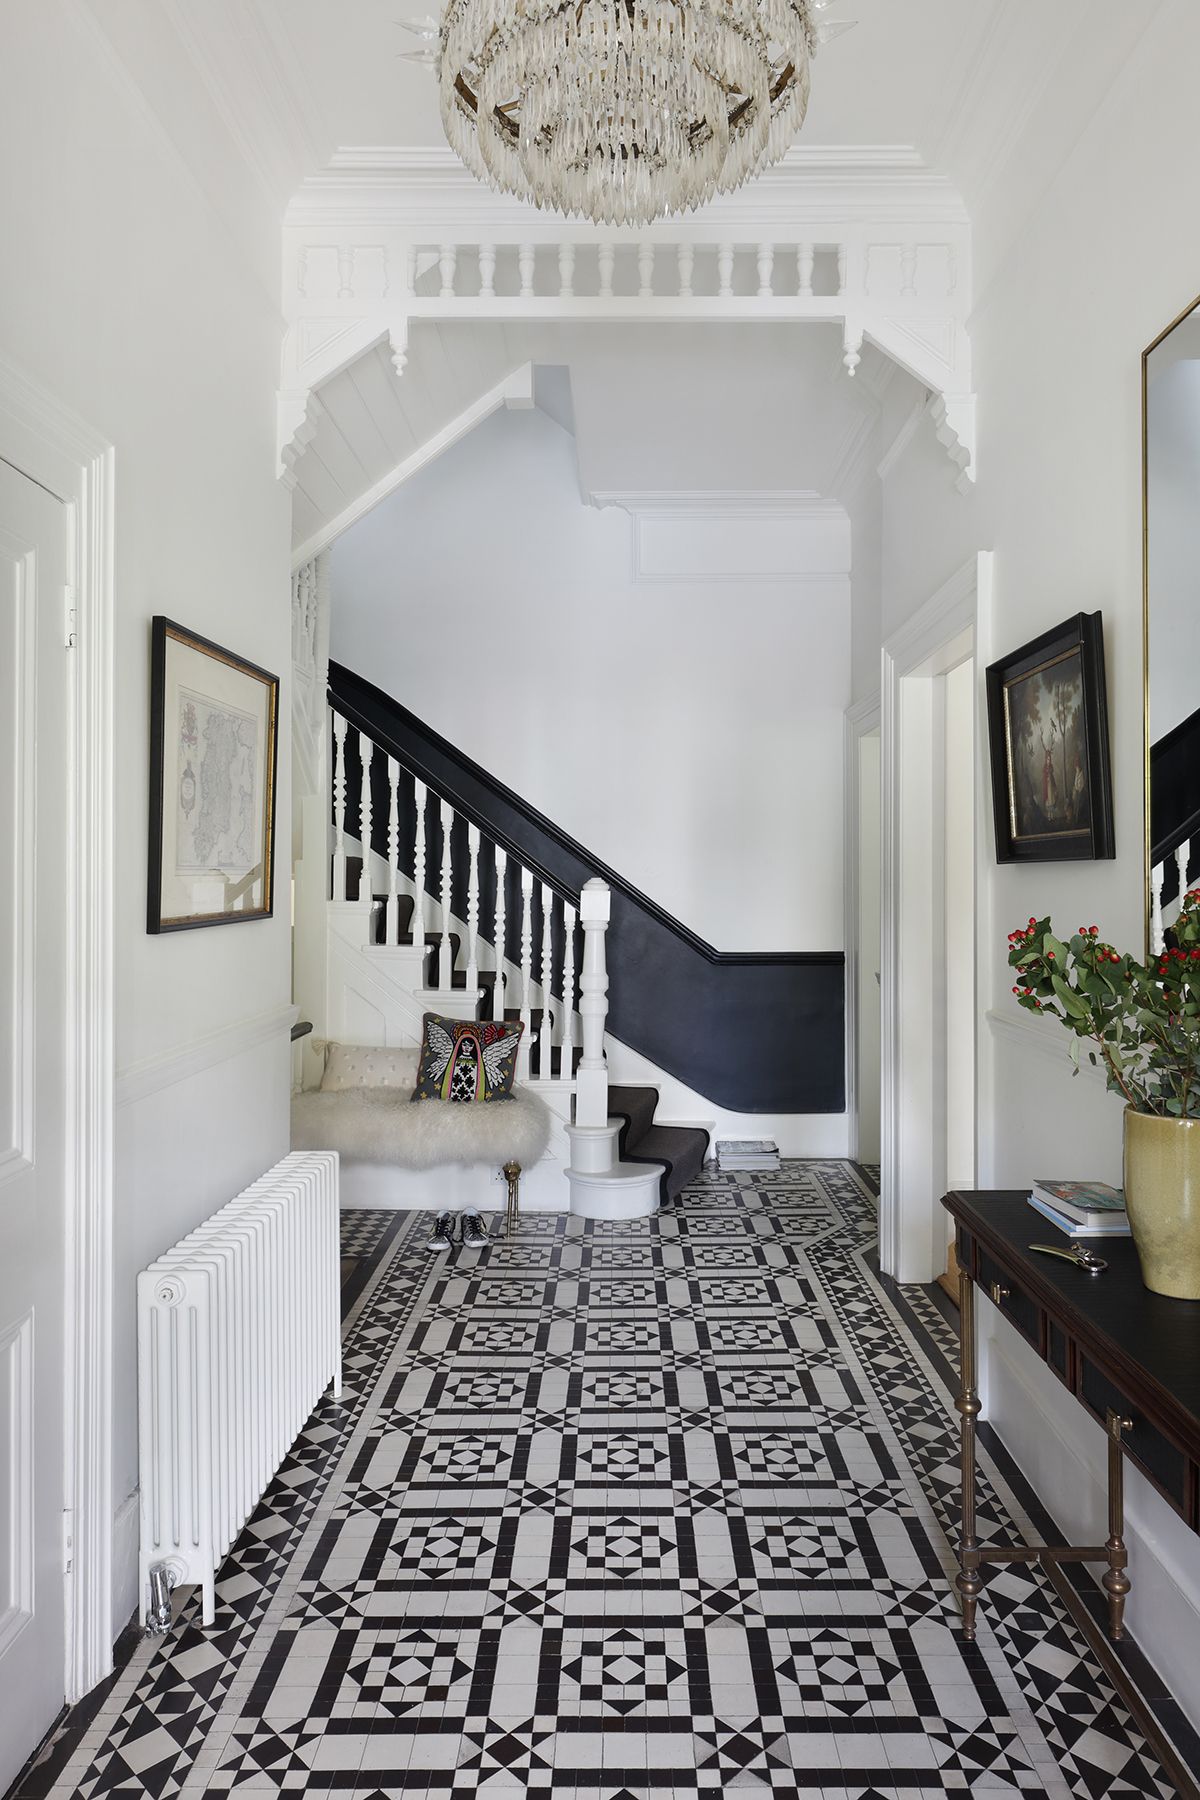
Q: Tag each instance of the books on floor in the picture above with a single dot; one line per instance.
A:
(1082, 1208)
(747, 1153)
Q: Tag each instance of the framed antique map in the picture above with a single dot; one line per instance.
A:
(213, 751)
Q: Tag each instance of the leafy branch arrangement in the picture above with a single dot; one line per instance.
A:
(1143, 1019)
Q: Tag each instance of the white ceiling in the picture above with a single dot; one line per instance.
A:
(895, 79)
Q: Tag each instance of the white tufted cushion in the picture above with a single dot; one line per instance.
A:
(360, 1066)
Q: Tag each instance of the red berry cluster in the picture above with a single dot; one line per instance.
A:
(1176, 956)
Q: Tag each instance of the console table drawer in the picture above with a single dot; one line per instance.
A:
(1155, 1455)
(1004, 1292)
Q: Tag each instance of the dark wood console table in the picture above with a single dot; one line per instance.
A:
(1132, 1360)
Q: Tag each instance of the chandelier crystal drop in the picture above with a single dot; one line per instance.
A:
(621, 111)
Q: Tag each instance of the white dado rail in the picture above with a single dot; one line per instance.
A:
(880, 247)
(1163, 917)
(542, 982)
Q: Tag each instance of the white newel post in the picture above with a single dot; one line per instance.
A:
(602, 1187)
(591, 1087)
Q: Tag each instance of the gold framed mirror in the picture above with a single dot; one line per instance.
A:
(1171, 616)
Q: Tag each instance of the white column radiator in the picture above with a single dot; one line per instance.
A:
(239, 1333)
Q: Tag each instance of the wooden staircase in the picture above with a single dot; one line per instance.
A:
(452, 975)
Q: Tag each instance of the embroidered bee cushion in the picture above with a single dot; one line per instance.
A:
(465, 1060)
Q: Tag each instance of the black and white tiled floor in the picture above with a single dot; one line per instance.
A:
(623, 1512)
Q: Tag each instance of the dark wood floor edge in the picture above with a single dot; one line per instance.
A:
(1139, 1671)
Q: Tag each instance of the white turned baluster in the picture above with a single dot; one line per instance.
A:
(345, 264)
(1183, 857)
(805, 256)
(685, 256)
(499, 934)
(391, 930)
(725, 271)
(339, 807)
(908, 270)
(418, 918)
(546, 1034)
(606, 259)
(447, 259)
(445, 958)
(365, 747)
(841, 267)
(567, 1034)
(472, 906)
(591, 1088)
(645, 271)
(526, 971)
(525, 266)
(487, 271)
(1157, 938)
(765, 262)
(566, 271)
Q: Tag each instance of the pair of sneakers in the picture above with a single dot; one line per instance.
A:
(473, 1233)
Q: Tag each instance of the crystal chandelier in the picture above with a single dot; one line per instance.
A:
(622, 110)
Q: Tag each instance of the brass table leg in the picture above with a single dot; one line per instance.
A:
(512, 1174)
(969, 1581)
(1115, 1579)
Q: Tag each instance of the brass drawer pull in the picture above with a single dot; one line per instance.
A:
(996, 1293)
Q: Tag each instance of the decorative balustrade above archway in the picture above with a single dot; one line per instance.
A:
(868, 240)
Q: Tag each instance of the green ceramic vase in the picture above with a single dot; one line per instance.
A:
(1162, 1194)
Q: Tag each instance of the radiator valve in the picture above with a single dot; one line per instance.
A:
(162, 1585)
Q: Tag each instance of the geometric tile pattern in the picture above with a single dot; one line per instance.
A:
(620, 1511)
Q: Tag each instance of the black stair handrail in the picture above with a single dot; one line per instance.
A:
(345, 685)
(751, 1031)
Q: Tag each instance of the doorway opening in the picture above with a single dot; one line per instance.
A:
(929, 926)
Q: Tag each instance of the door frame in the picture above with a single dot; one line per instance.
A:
(861, 720)
(950, 626)
(44, 440)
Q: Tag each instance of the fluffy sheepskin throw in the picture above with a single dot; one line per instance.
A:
(381, 1125)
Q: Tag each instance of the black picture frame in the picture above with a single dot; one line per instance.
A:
(240, 706)
(1052, 793)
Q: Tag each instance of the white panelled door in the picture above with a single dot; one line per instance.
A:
(34, 883)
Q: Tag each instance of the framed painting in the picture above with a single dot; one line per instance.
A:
(1048, 726)
(213, 755)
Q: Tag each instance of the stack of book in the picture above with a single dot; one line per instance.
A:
(1082, 1208)
(747, 1153)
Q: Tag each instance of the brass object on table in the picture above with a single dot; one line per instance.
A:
(1079, 1254)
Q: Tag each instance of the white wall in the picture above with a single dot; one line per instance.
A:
(1101, 266)
(139, 305)
(687, 734)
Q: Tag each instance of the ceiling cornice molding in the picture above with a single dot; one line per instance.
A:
(407, 185)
